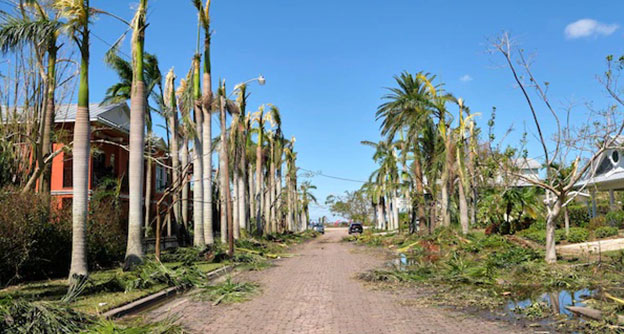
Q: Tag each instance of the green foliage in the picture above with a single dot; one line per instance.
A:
(135, 327)
(353, 205)
(152, 272)
(615, 218)
(578, 234)
(535, 311)
(22, 317)
(605, 231)
(578, 214)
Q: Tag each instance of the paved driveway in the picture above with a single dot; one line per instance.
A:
(316, 292)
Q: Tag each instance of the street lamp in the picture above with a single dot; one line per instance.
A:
(261, 81)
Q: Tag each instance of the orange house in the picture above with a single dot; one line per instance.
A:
(110, 128)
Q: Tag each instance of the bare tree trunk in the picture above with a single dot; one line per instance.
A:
(551, 252)
(567, 221)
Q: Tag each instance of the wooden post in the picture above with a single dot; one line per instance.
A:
(611, 200)
(593, 201)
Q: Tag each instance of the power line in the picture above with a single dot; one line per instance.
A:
(319, 173)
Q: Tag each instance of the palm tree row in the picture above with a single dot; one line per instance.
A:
(252, 151)
(423, 160)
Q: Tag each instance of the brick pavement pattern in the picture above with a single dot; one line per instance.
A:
(316, 292)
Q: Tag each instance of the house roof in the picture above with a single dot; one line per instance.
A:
(527, 163)
(116, 115)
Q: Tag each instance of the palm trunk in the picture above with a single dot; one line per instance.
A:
(420, 192)
(259, 193)
(278, 199)
(395, 212)
(222, 191)
(174, 150)
(242, 202)
(272, 191)
(148, 194)
(252, 194)
(207, 159)
(235, 202)
(134, 250)
(199, 234)
(80, 168)
(185, 185)
(48, 120)
(226, 179)
(463, 208)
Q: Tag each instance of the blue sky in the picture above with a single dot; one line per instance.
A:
(327, 62)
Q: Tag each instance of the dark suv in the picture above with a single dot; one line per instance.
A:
(356, 228)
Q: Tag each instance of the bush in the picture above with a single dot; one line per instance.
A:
(596, 222)
(578, 234)
(35, 239)
(578, 214)
(34, 244)
(605, 231)
(615, 218)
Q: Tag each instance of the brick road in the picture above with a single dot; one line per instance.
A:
(316, 292)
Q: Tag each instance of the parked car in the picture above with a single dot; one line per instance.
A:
(356, 228)
(320, 228)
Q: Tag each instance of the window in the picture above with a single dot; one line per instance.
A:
(605, 166)
(161, 179)
(615, 157)
(68, 170)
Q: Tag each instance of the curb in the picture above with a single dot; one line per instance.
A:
(145, 302)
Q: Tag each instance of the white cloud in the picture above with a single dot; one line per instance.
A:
(588, 28)
(465, 78)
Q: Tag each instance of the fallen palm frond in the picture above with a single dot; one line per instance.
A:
(18, 316)
(227, 292)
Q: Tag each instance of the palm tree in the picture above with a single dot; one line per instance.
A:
(42, 30)
(259, 118)
(77, 13)
(291, 179)
(306, 198)
(206, 106)
(199, 239)
(134, 249)
(171, 113)
(121, 92)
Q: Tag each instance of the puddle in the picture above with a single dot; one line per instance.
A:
(556, 301)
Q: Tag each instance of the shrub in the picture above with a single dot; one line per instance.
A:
(35, 239)
(578, 234)
(605, 231)
(33, 243)
(578, 214)
(596, 222)
(615, 218)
